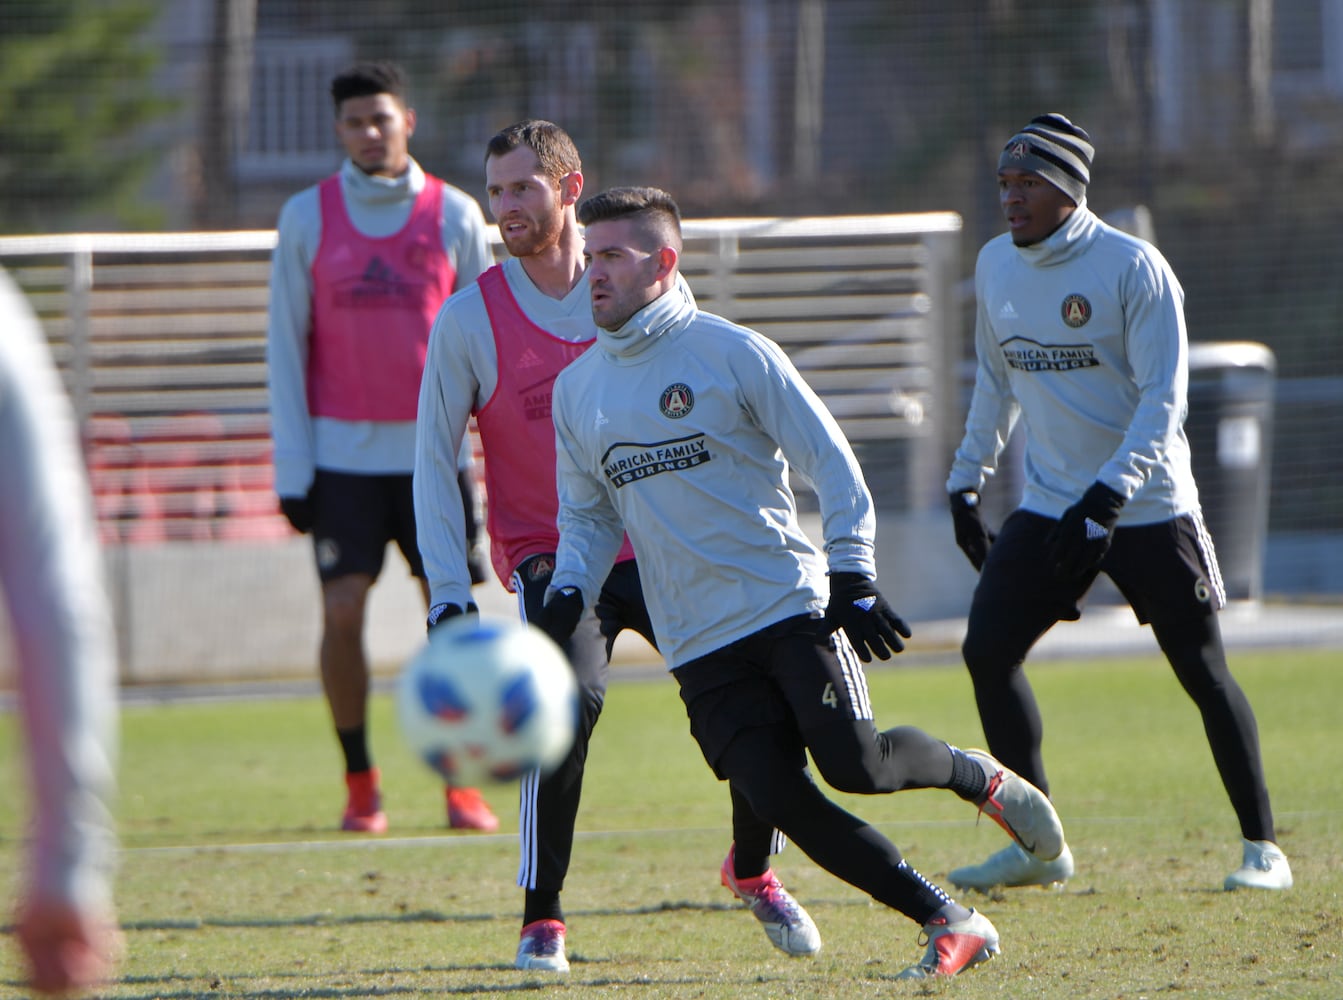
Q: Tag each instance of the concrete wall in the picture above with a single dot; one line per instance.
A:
(199, 612)
(212, 612)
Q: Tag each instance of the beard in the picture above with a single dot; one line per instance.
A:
(541, 235)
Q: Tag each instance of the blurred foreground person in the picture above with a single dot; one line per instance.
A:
(62, 628)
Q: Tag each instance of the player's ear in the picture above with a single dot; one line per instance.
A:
(571, 187)
(410, 122)
(668, 258)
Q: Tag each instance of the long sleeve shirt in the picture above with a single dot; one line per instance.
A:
(681, 429)
(460, 376)
(1081, 339)
(378, 207)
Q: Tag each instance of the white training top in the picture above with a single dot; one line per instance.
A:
(377, 206)
(460, 374)
(681, 428)
(59, 616)
(1082, 337)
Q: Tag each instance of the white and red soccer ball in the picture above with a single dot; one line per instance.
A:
(487, 700)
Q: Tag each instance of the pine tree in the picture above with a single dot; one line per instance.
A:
(76, 91)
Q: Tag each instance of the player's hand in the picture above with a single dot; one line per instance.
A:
(972, 535)
(561, 614)
(477, 565)
(68, 950)
(443, 612)
(299, 512)
(870, 623)
(1083, 535)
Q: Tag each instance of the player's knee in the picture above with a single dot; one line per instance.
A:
(851, 774)
(778, 788)
(852, 757)
(783, 803)
(589, 710)
(973, 649)
(343, 612)
(983, 655)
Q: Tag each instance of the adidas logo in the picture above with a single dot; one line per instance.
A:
(1094, 531)
(529, 359)
(1007, 311)
(378, 271)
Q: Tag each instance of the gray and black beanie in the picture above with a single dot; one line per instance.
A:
(1057, 150)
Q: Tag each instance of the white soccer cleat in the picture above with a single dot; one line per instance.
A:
(788, 925)
(953, 948)
(541, 946)
(1012, 867)
(1021, 809)
(1264, 867)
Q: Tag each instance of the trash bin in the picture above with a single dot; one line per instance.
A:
(1230, 430)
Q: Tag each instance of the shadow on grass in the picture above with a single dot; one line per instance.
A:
(398, 981)
(307, 985)
(417, 916)
(215, 992)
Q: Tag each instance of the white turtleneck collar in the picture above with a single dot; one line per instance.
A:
(650, 324)
(1063, 243)
(374, 189)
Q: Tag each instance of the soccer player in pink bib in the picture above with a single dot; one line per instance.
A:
(364, 260)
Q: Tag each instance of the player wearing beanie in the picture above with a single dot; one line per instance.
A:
(1081, 344)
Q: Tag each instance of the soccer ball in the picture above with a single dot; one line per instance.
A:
(487, 700)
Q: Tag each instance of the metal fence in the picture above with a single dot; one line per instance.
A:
(161, 339)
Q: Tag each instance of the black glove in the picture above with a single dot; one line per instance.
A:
(441, 613)
(1080, 540)
(866, 618)
(560, 615)
(972, 535)
(299, 512)
(477, 565)
(476, 562)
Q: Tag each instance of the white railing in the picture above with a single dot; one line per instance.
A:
(161, 339)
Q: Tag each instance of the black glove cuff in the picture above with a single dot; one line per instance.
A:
(966, 501)
(1102, 503)
(440, 613)
(845, 581)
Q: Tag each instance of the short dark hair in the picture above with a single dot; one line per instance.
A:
(366, 79)
(657, 211)
(554, 150)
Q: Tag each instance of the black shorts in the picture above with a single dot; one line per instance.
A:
(793, 674)
(1167, 571)
(355, 516)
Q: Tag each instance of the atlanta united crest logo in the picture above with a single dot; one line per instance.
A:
(1076, 311)
(677, 400)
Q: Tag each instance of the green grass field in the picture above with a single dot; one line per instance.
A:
(234, 884)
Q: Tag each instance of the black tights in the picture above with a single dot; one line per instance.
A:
(995, 651)
(1195, 651)
(768, 764)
